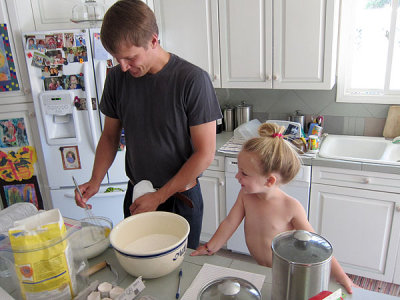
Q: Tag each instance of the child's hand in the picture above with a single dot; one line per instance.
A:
(347, 283)
(201, 250)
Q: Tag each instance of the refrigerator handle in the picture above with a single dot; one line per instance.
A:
(102, 71)
(89, 106)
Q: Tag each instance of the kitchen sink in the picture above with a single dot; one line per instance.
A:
(360, 148)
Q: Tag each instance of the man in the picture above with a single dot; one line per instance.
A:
(167, 108)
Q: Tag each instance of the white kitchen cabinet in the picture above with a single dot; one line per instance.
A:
(212, 185)
(263, 44)
(305, 44)
(246, 43)
(189, 28)
(363, 224)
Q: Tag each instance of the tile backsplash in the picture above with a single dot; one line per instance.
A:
(339, 118)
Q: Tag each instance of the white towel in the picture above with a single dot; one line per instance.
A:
(141, 188)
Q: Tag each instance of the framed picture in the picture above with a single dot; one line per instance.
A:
(21, 191)
(70, 157)
(8, 75)
(14, 130)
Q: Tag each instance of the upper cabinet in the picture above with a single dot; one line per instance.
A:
(305, 44)
(282, 44)
(246, 43)
(189, 28)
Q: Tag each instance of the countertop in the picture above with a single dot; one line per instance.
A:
(224, 137)
(164, 288)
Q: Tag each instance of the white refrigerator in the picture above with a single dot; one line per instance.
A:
(66, 68)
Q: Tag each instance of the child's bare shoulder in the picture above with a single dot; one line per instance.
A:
(292, 202)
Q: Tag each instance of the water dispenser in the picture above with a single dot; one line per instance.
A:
(60, 117)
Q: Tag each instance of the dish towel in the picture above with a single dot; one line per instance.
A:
(141, 188)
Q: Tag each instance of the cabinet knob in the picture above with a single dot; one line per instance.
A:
(398, 207)
(222, 183)
(276, 77)
(367, 180)
(267, 77)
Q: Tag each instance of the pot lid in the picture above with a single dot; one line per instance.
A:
(302, 247)
(243, 105)
(232, 287)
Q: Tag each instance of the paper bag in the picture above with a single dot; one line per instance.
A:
(392, 125)
(43, 259)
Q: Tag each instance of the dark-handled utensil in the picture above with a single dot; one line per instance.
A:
(178, 291)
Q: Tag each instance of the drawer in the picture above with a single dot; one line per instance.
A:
(217, 164)
(357, 179)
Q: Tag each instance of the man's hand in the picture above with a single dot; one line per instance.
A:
(147, 202)
(88, 190)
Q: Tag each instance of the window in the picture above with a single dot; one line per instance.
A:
(369, 52)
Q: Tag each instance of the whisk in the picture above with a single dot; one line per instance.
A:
(89, 213)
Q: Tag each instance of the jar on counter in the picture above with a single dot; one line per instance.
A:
(244, 113)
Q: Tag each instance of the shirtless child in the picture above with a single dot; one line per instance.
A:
(265, 163)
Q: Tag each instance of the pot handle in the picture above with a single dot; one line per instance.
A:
(302, 235)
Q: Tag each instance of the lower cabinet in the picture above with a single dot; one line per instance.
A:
(362, 225)
(212, 185)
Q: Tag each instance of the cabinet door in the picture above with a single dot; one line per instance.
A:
(246, 43)
(305, 38)
(362, 226)
(212, 185)
(189, 29)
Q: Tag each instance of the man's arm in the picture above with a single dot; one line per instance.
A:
(105, 154)
(203, 140)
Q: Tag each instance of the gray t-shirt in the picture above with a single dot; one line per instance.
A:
(156, 111)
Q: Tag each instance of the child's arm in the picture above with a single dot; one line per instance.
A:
(225, 229)
(300, 221)
(341, 276)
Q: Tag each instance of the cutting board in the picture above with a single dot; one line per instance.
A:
(392, 125)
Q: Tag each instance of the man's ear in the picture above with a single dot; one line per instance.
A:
(154, 41)
(270, 180)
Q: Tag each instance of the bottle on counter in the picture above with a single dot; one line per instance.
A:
(220, 125)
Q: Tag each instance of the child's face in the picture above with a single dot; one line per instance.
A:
(250, 174)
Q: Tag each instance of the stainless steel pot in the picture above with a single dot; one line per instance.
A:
(244, 113)
(301, 265)
(229, 118)
(297, 117)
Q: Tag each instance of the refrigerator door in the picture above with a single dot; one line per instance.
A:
(69, 126)
(109, 205)
(102, 61)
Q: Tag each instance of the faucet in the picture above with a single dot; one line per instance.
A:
(322, 138)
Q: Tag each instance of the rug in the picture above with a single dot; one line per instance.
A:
(376, 285)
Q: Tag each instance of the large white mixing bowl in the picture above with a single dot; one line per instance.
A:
(150, 244)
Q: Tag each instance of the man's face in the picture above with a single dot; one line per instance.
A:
(135, 60)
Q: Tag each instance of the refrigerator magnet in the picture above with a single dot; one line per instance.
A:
(70, 157)
(31, 42)
(69, 40)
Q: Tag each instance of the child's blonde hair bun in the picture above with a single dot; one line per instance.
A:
(270, 130)
(276, 154)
